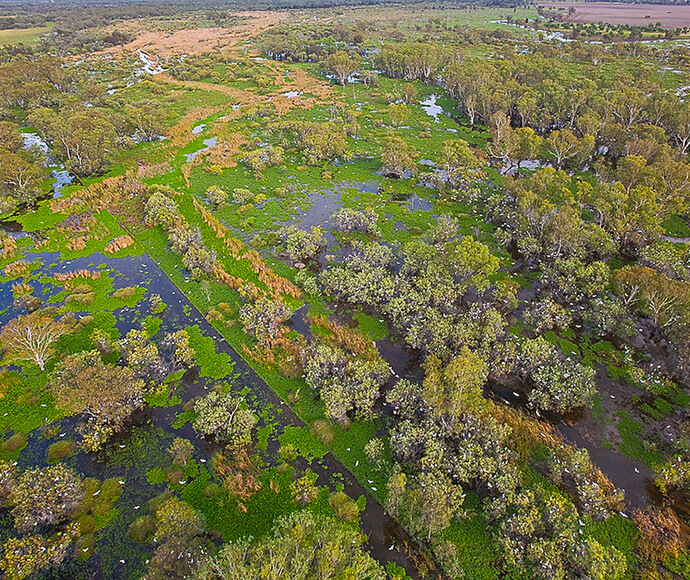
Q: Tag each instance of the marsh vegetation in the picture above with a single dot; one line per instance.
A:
(354, 292)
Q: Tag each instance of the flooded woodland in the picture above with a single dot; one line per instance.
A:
(383, 292)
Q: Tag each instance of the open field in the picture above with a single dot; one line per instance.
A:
(670, 16)
(200, 40)
(416, 16)
(22, 35)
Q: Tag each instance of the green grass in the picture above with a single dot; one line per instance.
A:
(679, 564)
(304, 440)
(23, 35)
(677, 227)
(223, 515)
(27, 405)
(476, 546)
(213, 365)
(96, 295)
(376, 328)
(620, 533)
(633, 444)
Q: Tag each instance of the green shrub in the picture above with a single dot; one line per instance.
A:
(124, 293)
(84, 547)
(15, 443)
(87, 524)
(142, 529)
(343, 506)
(61, 450)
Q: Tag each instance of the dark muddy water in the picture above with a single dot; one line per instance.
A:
(633, 477)
(129, 458)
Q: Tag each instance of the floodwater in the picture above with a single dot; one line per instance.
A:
(633, 477)
(387, 541)
(416, 203)
(152, 65)
(431, 108)
(527, 164)
(62, 177)
(320, 207)
(676, 240)
(34, 141)
(208, 143)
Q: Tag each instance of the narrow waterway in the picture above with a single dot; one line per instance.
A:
(387, 541)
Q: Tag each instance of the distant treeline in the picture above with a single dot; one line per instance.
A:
(80, 14)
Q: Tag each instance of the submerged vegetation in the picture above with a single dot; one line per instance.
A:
(368, 292)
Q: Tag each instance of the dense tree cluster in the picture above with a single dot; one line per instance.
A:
(303, 546)
(344, 383)
(543, 536)
(180, 541)
(431, 293)
(348, 220)
(263, 319)
(226, 417)
(302, 245)
(106, 394)
(318, 142)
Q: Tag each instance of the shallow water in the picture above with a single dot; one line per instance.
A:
(633, 477)
(386, 538)
(62, 176)
(416, 203)
(208, 143)
(431, 108)
(151, 66)
(32, 140)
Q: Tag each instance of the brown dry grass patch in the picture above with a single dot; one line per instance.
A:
(163, 44)
(670, 16)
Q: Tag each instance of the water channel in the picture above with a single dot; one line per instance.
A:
(387, 541)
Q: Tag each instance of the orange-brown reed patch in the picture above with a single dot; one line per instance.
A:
(67, 279)
(283, 353)
(275, 284)
(149, 170)
(18, 268)
(119, 243)
(223, 154)
(8, 247)
(344, 337)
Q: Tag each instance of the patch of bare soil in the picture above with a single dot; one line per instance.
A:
(670, 16)
(163, 45)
